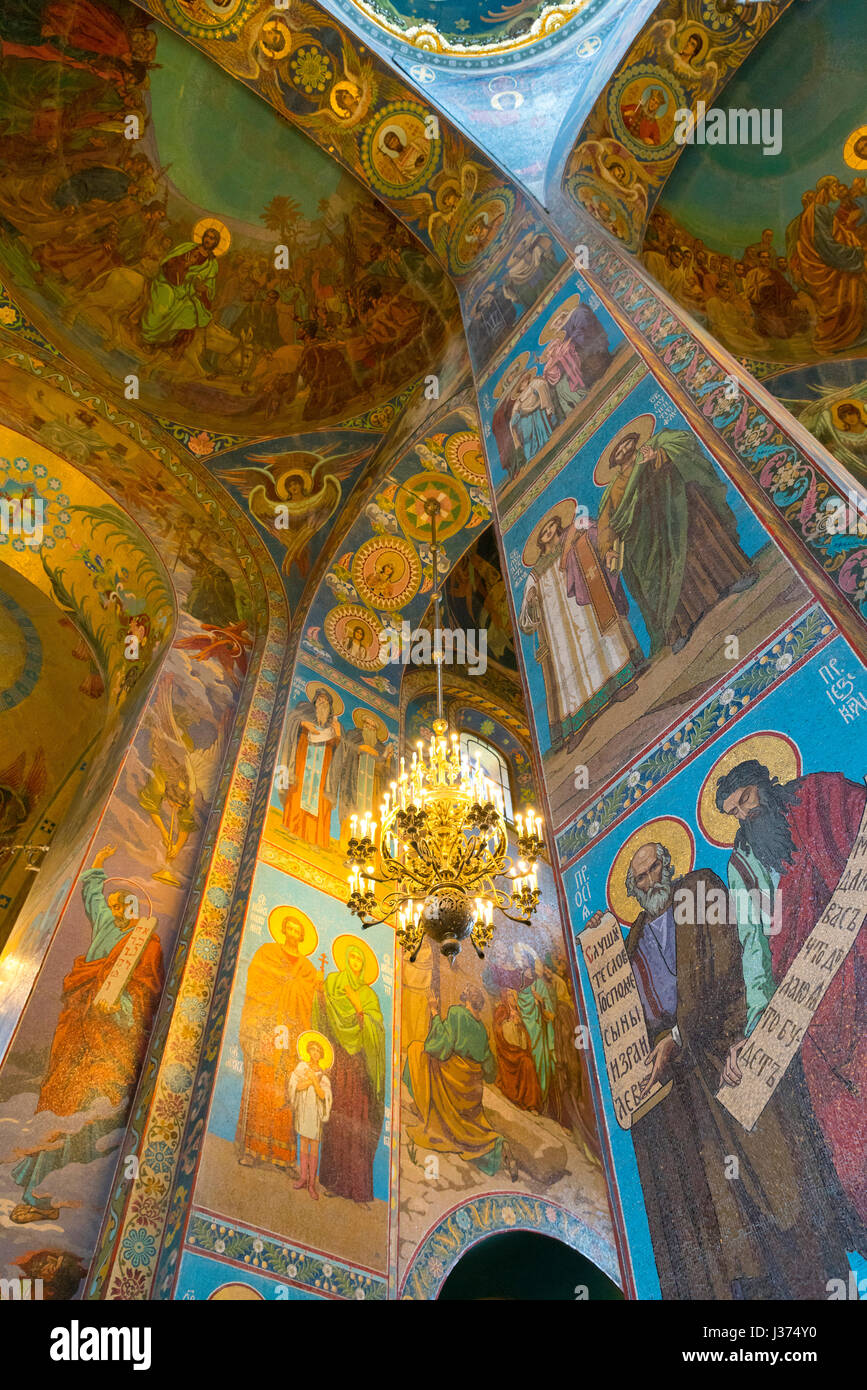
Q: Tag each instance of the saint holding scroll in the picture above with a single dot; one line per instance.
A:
(731, 1214)
(793, 839)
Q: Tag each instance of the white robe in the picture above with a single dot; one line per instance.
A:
(577, 658)
(311, 1112)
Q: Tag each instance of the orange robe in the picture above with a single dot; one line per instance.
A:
(93, 1054)
(279, 994)
(316, 830)
(838, 294)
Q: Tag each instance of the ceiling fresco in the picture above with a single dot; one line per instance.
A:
(151, 261)
(627, 148)
(770, 254)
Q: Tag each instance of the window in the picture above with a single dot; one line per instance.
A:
(476, 753)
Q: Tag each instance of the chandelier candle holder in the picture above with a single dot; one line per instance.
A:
(430, 865)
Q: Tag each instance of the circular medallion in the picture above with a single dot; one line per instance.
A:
(310, 69)
(453, 505)
(479, 229)
(397, 150)
(642, 105)
(464, 456)
(354, 634)
(209, 19)
(386, 572)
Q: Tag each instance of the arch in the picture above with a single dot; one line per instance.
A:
(468, 1223)
(526, 1265)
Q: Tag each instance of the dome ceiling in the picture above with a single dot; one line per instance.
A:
(461, 26)
(103, 238)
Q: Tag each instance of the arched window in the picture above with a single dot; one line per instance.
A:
(475, 752)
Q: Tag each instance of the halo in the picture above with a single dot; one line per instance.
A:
(303, 1046)
(213, 222)
(243, 1293)
(353, 89)
(564, 511)
(857, 406)
(670, 831)
(779, 754)
(313, 686)
(338, 620)
(511, 374)
(465, 457)
(361, 715)
(342, 945)
(855, 161)
(397, 552)
(566, 307)
(140, 888)
(643, 426)
(279, 915)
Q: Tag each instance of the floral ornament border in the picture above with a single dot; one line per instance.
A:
(167, 1125)
(14, 322)
(247, 753)
(136, 1213)
(794, 485)
(755, 680)
(488, 1215)
(220, 1238)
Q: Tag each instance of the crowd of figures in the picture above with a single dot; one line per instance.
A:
(786, 297)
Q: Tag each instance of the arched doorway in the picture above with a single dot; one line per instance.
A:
(526, 1265)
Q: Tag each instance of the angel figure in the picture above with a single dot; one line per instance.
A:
(685, 51)
(294, 495)
(838, 419)
(179, 772)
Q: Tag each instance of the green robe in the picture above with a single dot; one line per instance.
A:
(173, 308)
(652, 522)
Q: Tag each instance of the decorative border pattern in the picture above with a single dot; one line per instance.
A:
(287, 1263)
(465, 1225)
(12, 695)
(797, 490)
(752, 681)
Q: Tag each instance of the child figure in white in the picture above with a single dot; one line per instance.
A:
(310, 1097)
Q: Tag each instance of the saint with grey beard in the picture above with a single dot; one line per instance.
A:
(731, 1214)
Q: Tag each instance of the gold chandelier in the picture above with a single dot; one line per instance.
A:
(430, 864)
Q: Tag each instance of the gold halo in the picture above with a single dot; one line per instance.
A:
(465, 457)
(849, 401)
(670, 831)
(354, 90)
(341, 947)
(852, 159)
(779, 755)
(362, 715)
(336, 624)
(566, 307)
(643, 426)
(278, 915)
(511, 374)
(565, 513)
(313, 686)
(243, 1293)
(402, 556)
(303, 1046)
(225, 235)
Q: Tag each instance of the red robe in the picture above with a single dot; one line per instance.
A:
(93, 1055)
(834, 1051)
(518, 1078)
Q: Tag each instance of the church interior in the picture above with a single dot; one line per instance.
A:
(433, 469)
